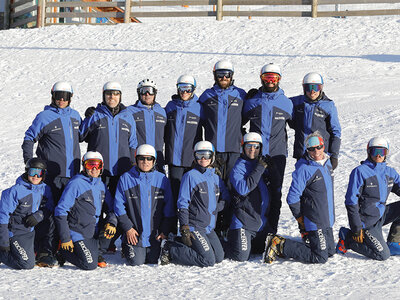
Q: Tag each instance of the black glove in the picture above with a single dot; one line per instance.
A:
(31, 221)
(187, 236)
(251, 93)
(334, 162)
(90, 111)
(5, 248)
(265, 160)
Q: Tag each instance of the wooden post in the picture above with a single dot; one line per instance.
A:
(314, 9)
(127, 15)
(7, 14)
(219, 10)
(41, 11)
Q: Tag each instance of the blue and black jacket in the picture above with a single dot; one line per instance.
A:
(150, 124)
(18, 202)
(310, 116)
(183, 130)
(268, 114)
(311, 194)
(78, 211)
(251, 202)
(221, 115)
(113, 136)
(57, 132)
(143, 201)
(367, 193)
(202, 195)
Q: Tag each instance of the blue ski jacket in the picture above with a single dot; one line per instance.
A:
(268, 114)
(57, 132)
(78, 211)
(310, 116)
(367, 193)
(143, 201)
(18, 202)
(221, 115)
(202, 195)
(114, 137)
(311, 194)
(183, 130)
(251, 207)
(150, 124)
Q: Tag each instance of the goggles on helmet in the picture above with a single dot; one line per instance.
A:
(250, 145)
(375, 151)
(112, 93)
(185, 88)
(58, 95)
(316, 87)
(223, 73)
(93, 163)
(270, 77)
(206, 154)
(143, 158)
(35, 172)
(147, 89)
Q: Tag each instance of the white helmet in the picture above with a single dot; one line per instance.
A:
(62, 86)
(378, 142)
(92, 155)
(189, 79)
(224, 65)
(205, 146)
(313, 77)
(147, 82)
(112, 86)
(252, 137)
(146, 149)
(271, 68)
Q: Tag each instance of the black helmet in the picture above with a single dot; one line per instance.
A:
(36, 162)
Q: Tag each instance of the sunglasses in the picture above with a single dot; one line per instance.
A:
(143, 158)
(311, 149)
(112, 93)
(147, 90)
(203, 154)
(185, 88)
(308, 87)
(270, 77)
(93, 163)
(35, 172)
(378, 151)
(66, 96)
(222, 74)
(249, 146)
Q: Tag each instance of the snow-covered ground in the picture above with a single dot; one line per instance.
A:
(359, 59)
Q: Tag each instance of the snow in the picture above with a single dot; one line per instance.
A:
(359, 58)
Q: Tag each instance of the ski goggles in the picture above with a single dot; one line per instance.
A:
(36, 172)
(93, 163)
(147, 90)
(62, 95)
(249, 146)
(378, 151)
(112, 93)
(143, 158)
(309, 87)
(312, 149)
(206, 154)
(223, 73)
(270, 77)
(185, 88)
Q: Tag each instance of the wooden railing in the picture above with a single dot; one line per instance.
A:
(79, 12)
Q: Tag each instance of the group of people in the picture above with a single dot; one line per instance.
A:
(215, 194)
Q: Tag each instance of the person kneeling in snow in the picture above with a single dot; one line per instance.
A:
(310, 199)
(77, 215)
(22, 207)
(367, 193)
(144, 208)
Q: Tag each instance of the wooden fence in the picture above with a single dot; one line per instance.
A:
(125, 11)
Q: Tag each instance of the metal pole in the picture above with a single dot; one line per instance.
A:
(314, 9)
(7, 14)
(219, 10)
(127, 15)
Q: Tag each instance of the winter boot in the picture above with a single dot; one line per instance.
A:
(274, 248)
(45, 260)
(165, 257)
(341, 245)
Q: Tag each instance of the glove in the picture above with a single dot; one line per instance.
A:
(302, 227)
(90, 111)
(334, 162)
(264, 160)
(251, 93)
(5, 248)
(31, 221)
(68, 246)
(359, 236)
(109, 231)
(187, 236)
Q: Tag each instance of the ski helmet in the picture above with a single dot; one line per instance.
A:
(224, 65)
(252, 137)
(62, 89)
(313, 77)
(93, 156)
(36, 163)
(112, 86)
(205, 146)
(147, 150)
(186, 83)
(378, 142)
(271, 68)
(150, 84)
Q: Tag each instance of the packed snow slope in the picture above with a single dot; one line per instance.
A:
(359, 58)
